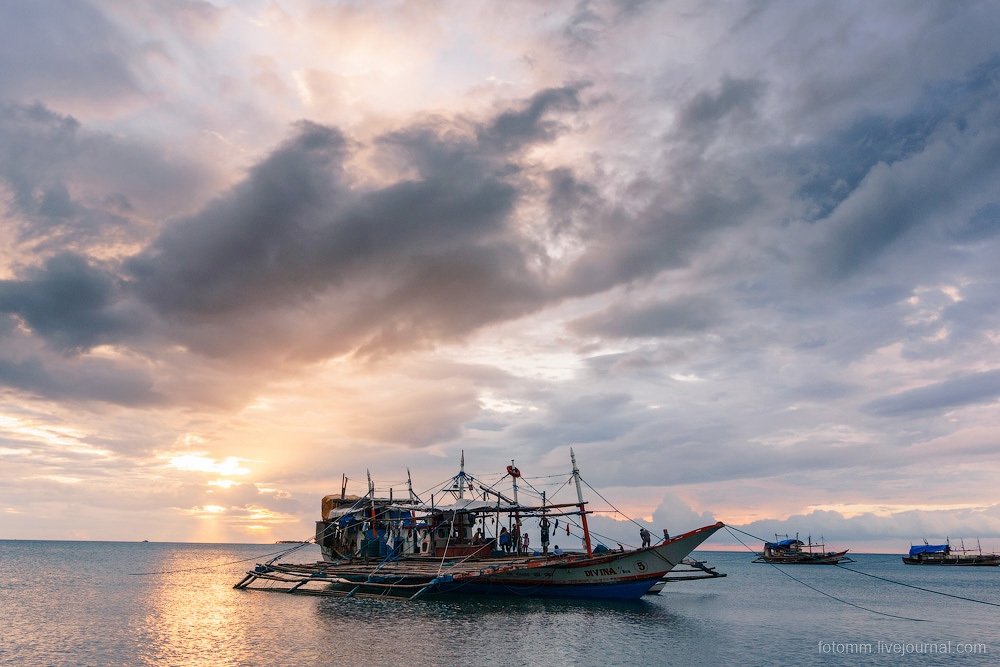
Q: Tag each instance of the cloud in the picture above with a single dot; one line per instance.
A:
(750, 256)
(68, 302)
(69, 187)
(62, 52)
(88, 380)
(891, 179)
(682, 316)
(972, 389)
(436, 251)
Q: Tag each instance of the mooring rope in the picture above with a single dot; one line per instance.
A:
(886, 579)
(210, 567)
(919, 588)
(627, 517)
(832, 597)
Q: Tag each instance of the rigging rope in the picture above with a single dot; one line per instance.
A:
(210, 567)
(874, 576)
(919, 588)
(627, 517)
(832, 597)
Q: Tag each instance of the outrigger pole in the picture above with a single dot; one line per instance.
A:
(579, 496)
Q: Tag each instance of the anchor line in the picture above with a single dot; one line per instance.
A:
(813, 588)
(875, 576)
(919, 588)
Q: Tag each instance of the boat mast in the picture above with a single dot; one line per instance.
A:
(371, 495)
(514, 479)
(517, 515)
(579, 496)
(461, 478)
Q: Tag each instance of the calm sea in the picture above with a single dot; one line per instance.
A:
(81, 603)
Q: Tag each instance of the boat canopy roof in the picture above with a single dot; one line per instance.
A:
(472, 505)
(487, 506)
(927, 549)
(784, 543)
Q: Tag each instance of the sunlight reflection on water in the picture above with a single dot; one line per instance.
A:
(80, 603)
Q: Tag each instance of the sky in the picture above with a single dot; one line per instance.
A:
(740, 256)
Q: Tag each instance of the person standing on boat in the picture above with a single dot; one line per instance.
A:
(515, 538)
(543, 529)
(524, 543)
(505, 539)
(646, 537)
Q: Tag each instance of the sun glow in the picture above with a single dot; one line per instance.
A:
(213, 509)
(199, 462)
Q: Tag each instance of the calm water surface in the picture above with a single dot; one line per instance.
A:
(81, 603)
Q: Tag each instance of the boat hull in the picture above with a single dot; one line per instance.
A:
(804, 558)
(956, 561)
(619, 575)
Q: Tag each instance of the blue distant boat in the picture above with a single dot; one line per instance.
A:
(943, 554)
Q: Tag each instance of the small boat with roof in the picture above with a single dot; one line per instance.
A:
(944, 554)
(793, 551)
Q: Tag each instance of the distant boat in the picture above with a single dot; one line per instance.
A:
(789, 551)
(943, 554)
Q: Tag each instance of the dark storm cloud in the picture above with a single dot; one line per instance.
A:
(973, 389)
(681, 316)
(86, 380)
(884, 180)
(533, 123)
(256, 244)
(274, 265)
(68, 302)
(436, 246)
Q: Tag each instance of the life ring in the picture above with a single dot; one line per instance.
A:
(514, 472)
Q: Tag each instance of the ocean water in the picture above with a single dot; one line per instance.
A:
(85, 603)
